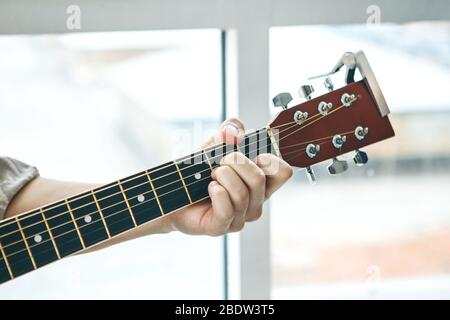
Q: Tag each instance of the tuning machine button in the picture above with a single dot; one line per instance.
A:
(300, 117)
(282, 100)
(361, 133)
(312, 150)
(324, 107)
(360, 158)
(328, 84)
(338, 141)
(337, 166)
(348, 99)
(311, 175)
(305, 91)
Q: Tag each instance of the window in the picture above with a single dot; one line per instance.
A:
(96, 107)
(381, 231)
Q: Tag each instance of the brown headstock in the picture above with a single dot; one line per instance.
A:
(351, 118)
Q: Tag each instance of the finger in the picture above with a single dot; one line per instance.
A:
(276, 170)
(219, 218)
(232, 131)
(253, 177)
(236, 188)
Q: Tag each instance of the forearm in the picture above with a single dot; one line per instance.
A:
(41, 191)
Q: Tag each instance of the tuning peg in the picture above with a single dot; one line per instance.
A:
(305, 91)
(337, 166)
(328, 84)
(360, 158)
(282, 100)
(311, 175)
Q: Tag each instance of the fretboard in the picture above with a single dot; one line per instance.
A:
(44, 235)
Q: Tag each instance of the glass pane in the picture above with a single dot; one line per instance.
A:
(96, 107)
(382, 230)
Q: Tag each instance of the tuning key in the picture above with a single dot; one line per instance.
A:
(337, 166)
(282, 100)
(305, 91)
(360, 158)
(311, 175)
(328, 84)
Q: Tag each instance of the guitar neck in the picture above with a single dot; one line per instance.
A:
(47, 234)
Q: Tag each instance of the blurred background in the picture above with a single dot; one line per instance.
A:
(97, 106)
(382, 230)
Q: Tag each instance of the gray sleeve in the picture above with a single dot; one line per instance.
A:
(14, 174)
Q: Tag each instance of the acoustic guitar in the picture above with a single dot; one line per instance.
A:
(320, 128)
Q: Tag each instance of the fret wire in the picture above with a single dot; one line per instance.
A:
(207, 160)
(199, 200)
(79, 218)
(182, 181)
(128, 205)
(50, 233)
(5, 258)
(122, 211)
(120, 219)
(75, 223)
(101, 213)
(127, 189)
(103, 188)
(26, 243)
(154, 192)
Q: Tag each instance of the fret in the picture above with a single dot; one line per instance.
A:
(87, 219)
(50, 233)
(75, 223)
(207, 160)
(141, 197)
(196, 172)
(154, 191)
(38, 239)
(128, 205)
(15, 249)
(5, 270)
(118, 216)
(26, 243)
(63, 229)
(184, 183)
(168, 187)
(101, 213)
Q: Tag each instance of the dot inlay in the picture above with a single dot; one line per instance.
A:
(37, 238)
(87, 219)
(141, 198)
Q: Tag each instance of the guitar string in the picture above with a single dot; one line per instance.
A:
(214, 148)
(80, 227)
(24, 216)
(295, 151)
(98, 220)
(77, 239)
(148, 172)
(107, 207)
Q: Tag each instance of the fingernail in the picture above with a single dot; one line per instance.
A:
(232, 129)
(230, 132)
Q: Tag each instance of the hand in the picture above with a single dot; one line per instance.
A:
(237, 192)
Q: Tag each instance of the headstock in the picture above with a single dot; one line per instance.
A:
(340, 121)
